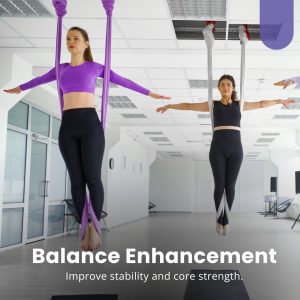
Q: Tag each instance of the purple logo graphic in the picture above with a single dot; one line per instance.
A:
(276, 23)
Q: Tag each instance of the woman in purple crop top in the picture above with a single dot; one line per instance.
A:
(226, 152)
(81, 136)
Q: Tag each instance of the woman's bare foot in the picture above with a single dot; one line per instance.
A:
(86, 240)
(95, 239)
(225, 229)
(219, 229)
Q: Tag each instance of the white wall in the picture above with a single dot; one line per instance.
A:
(127, 194)
(112, 137)
(287, 162)
(171, 184)
(250, 191)
(186, 185)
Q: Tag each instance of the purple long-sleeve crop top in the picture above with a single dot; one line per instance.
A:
(82, 78)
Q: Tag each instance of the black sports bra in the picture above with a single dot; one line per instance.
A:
(227, 115)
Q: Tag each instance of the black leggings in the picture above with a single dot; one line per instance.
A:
(81, 142)
(225, 156)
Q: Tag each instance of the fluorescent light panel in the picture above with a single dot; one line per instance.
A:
(23, 8)
(265, 140)
(153, 132)
(159, 139)
(197, 9)
(120, 102)
(285, 117)
(134, 116)
(201, 84)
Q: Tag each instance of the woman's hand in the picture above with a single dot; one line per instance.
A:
(284, 83)
(16, 90)
(159, 97)
(287, 102)
(163, 109)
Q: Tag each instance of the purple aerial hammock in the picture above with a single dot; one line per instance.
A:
(60, 8)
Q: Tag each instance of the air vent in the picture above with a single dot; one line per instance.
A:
(233, 32)
(192, 30)
(168, 144)
(153, 132)
(23, 8)
(159, 139)
(99, 84)
(204, 116)
(120, 102)
(264, 140)
(174, 153)
(201, 84)
(194, 141)
(270, 134)
(206, 133)
(134, 116)
(253, 153)
(252, 156)
(261, 145)
(285, 116)
(197, 9)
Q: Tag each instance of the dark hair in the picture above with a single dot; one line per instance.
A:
(230, 78)
(87, 55)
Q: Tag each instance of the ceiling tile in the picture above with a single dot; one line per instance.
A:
(166, 84)
(31, 27)
(14, 42)
(142, 9)
(153, 44)
(161, 73)
(146, 29)
(96, 28)
(7, 31)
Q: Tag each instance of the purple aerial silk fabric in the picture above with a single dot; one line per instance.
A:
(108, 6)
(61, 9)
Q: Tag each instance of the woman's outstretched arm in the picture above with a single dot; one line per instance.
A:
(266, 103)
(185, 106)
(48, 77)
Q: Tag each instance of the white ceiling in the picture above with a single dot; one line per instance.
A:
(145, 49)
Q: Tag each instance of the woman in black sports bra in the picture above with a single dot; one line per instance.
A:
(226, 152)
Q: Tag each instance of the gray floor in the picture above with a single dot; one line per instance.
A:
(20, 279)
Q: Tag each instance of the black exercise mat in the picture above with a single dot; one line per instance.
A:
(85, 297)
(215, 289)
